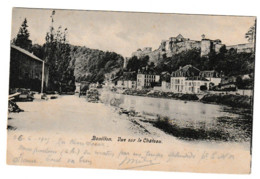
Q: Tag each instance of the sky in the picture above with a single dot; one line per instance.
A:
(125, 32)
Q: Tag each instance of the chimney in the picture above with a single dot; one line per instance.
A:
(180, 67)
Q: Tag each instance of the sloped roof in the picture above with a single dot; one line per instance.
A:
(208, 71)
(115, 78)
(147, 71)
(26, 53)
(186, 68)
(198, 78)
(179, 37)
(185, 71)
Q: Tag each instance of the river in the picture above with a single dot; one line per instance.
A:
(189, 114)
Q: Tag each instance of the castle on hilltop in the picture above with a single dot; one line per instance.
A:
(175, 45)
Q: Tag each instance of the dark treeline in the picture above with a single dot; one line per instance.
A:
(91, 64)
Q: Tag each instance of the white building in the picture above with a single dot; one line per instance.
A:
(146, 79)
(130, 84)
(120, 83)
(126, 84)
(166, 87)
(188, 84)
(128, 80)
(187, 80)
(213, 76)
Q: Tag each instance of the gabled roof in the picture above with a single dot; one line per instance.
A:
(179, 37)
(187, 70)
(26, 53)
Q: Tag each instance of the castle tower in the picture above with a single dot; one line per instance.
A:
(206, 46)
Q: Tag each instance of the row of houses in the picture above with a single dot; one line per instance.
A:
(145, 78)
(187, 79)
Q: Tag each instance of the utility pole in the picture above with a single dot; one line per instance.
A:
(42, 85)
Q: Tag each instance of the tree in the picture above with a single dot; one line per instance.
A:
(22, 39)
(151, 65)
(250, 35)
(57, 55)
(37, 50)
(134, 63)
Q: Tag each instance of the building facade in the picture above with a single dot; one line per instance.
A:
(213, 76)
(187, 79)
(146, 79)
(131, 84)
(27, 70)
(166, 86)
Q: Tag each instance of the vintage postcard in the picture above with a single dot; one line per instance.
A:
(123, 90)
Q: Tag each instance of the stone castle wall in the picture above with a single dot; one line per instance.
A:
(206, 47)
(247, 48)
(179, 44)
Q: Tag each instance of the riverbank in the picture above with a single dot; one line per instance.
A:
(223, 129)
(238, 101)
(231, 100)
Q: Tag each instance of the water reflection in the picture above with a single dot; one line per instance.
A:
(176, 109)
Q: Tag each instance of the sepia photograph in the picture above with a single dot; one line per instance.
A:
(131, 90)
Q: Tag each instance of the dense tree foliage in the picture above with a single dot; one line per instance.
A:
(92, 65)
(38, 50)
(250, 34)
(134, 63)
(227, 61)
(22, 39)
(57, 56)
